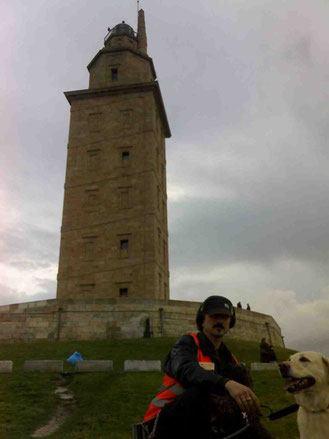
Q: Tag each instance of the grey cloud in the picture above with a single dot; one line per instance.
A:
(29, 265)
(30, 244)
(10, 295)
(283, 223)
(47, 288)
(305, 324)
(300, 51)
(317, 344)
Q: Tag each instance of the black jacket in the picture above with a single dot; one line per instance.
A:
(182, 364)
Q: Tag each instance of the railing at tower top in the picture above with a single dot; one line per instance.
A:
(120, 29)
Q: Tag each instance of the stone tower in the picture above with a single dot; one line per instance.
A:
(114, 235)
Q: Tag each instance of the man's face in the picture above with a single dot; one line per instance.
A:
(216, 325)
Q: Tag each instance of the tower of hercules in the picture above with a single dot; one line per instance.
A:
(114, 235)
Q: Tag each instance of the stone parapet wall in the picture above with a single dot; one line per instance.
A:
(119, 318)
(254, 326)
(28, 321)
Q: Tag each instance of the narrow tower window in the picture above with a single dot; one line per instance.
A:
(124, 247)
(114, 74)
(124, 244)
(123, 292)
(125, 156)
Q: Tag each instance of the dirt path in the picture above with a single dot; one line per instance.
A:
(64, 409)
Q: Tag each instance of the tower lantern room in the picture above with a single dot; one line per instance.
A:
(121, 31)
(124, 57)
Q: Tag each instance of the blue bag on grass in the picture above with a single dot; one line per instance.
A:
(74, 358)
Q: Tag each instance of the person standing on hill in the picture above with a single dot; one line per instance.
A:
(267, 354)
(206, 393)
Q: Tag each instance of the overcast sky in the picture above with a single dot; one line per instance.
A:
(246, 89)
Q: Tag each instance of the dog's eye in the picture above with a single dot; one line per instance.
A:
(304, 360)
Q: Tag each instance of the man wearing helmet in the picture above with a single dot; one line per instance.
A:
(206, 393)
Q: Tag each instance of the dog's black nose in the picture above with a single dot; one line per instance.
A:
(284, 368)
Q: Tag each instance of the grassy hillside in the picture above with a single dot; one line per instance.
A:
(108, 403)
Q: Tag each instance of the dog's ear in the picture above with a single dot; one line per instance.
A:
(326, 363)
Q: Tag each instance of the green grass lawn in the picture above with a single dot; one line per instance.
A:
(108, 403)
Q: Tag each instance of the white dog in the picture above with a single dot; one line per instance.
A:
(308, 381)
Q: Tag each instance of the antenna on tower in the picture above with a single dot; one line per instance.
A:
(137, 6)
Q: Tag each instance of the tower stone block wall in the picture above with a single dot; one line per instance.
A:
(115, 190)
(132, 67)
(114, 236)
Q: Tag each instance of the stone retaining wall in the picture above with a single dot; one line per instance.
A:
(119, 318)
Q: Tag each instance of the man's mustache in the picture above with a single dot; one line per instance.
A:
(218, 325)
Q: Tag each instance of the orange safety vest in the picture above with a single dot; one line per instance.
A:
(171, 388)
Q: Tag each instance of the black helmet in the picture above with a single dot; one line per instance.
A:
(213, 305)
